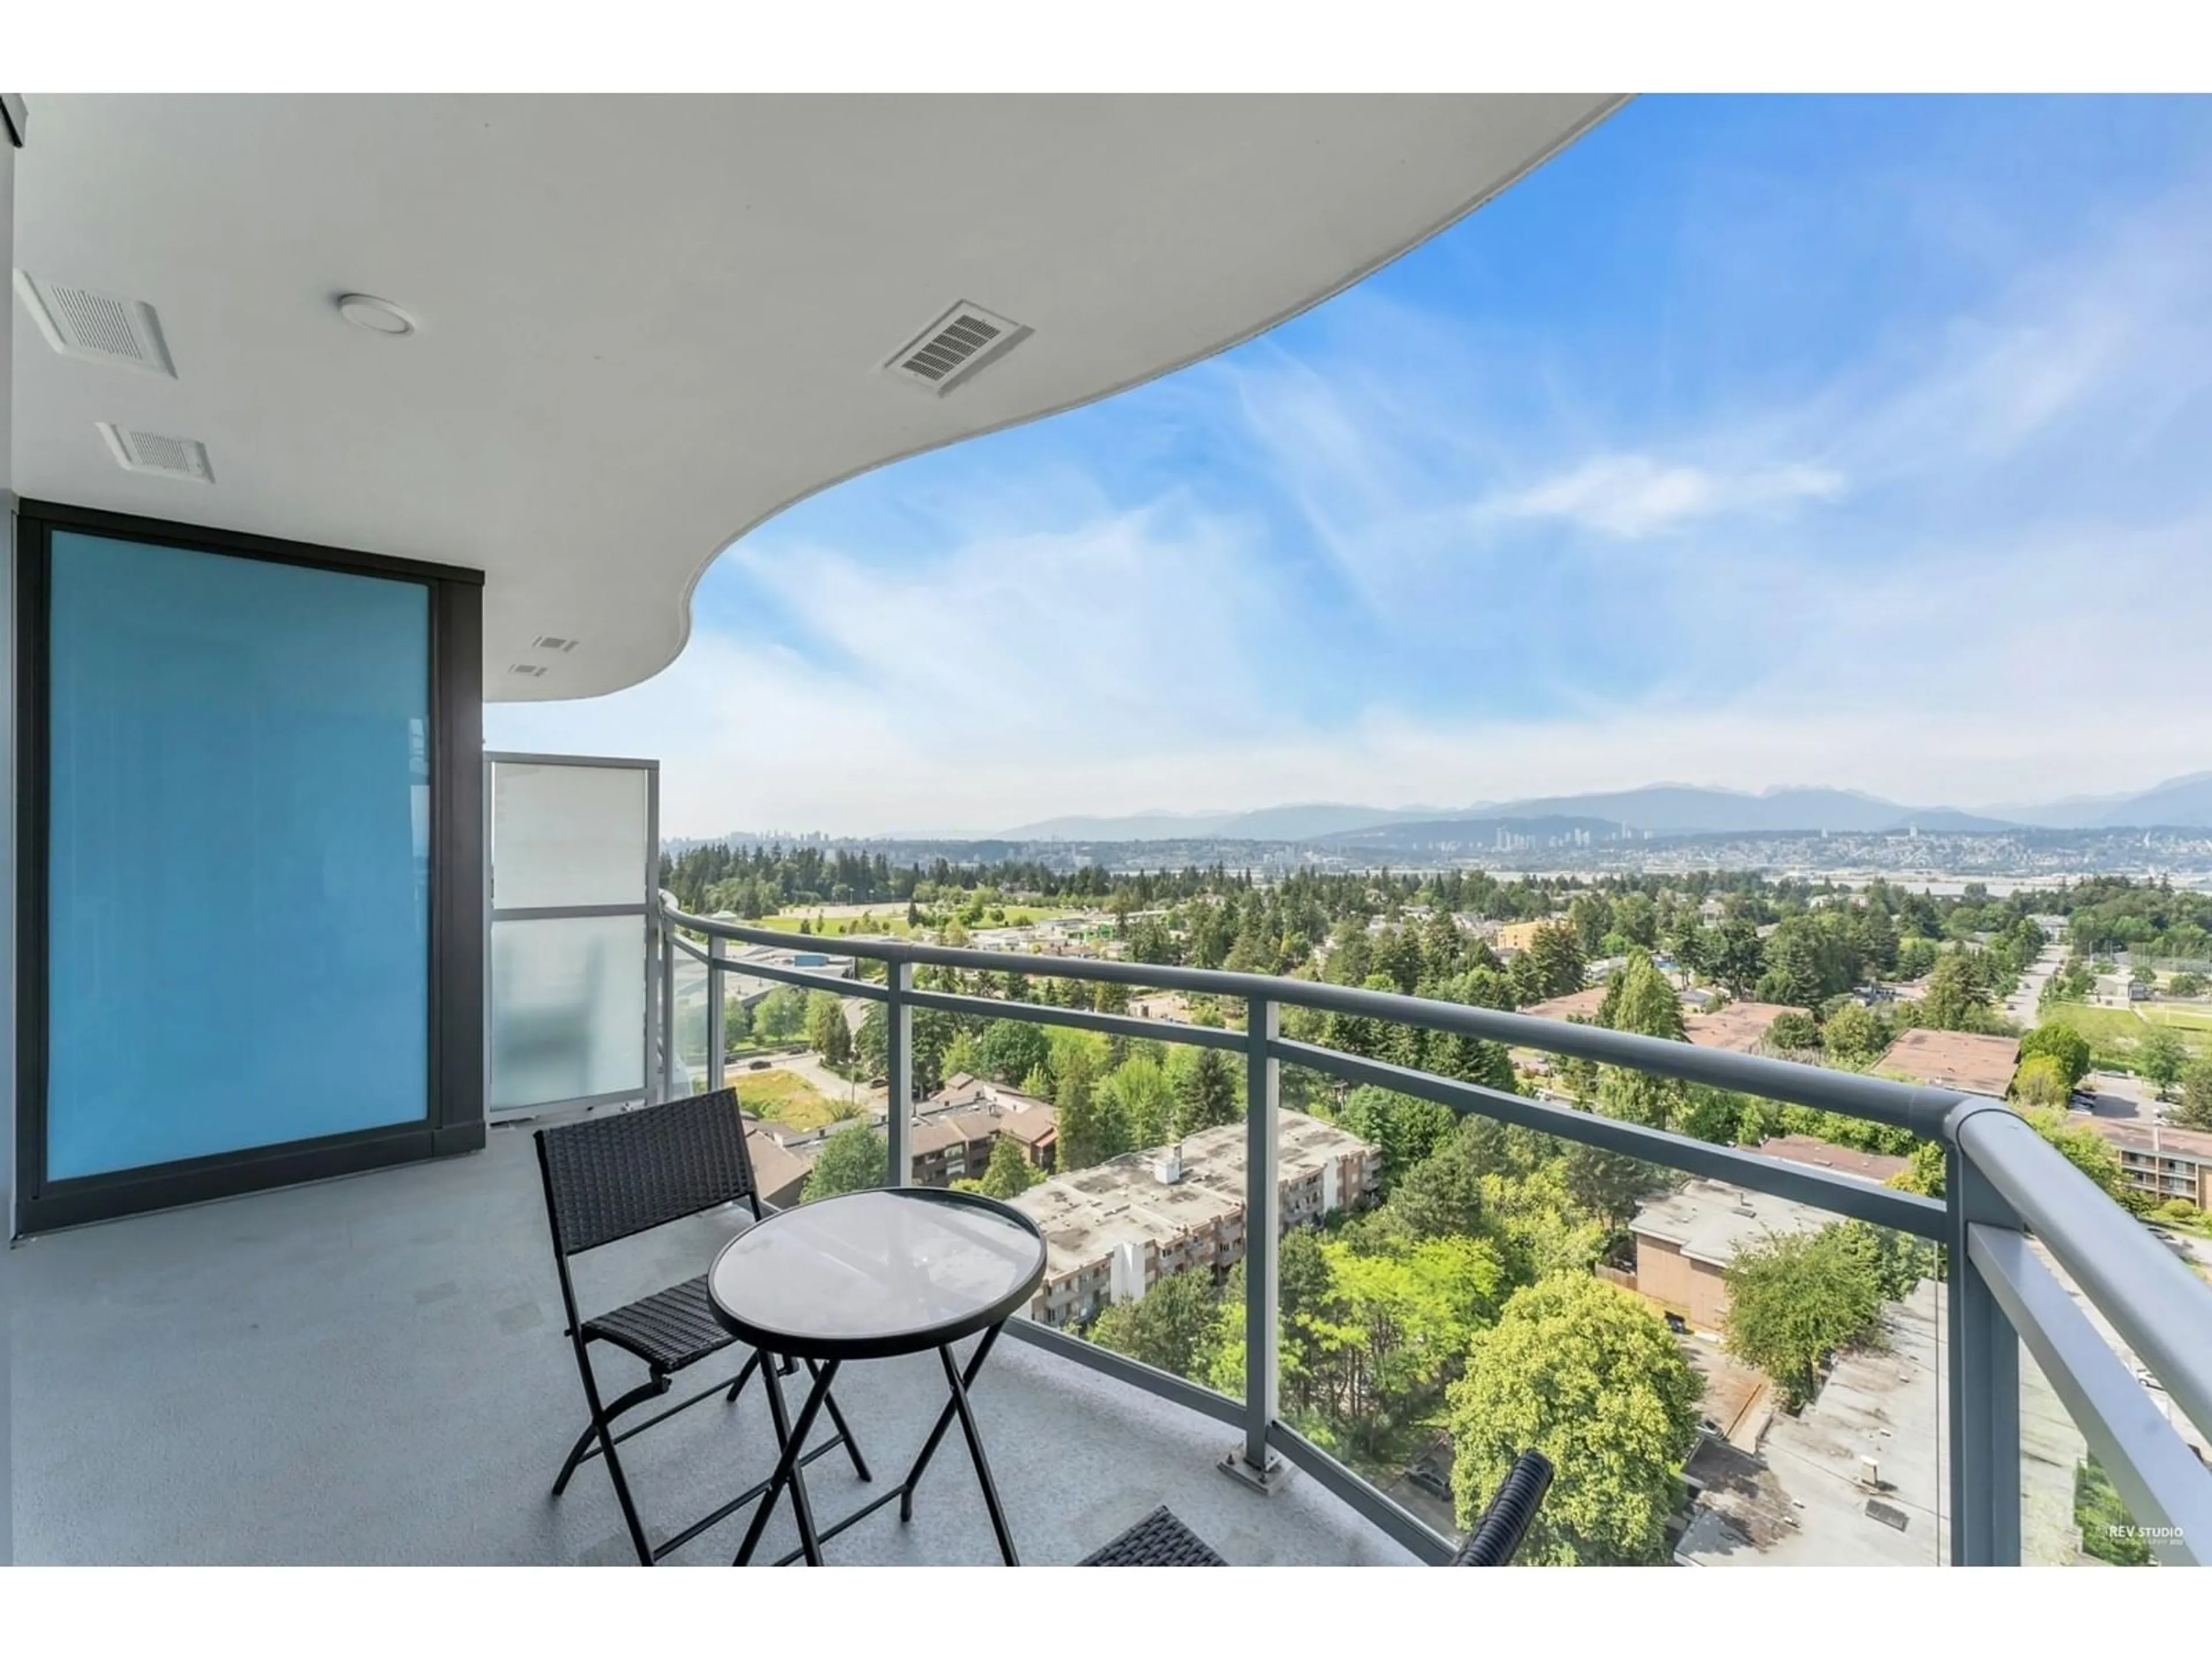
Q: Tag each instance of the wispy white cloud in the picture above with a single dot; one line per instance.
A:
(1633, 497)
(1942, 573)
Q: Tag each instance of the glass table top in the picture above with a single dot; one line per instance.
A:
(885, 1271)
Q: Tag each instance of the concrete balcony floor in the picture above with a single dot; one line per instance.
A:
(371, 1370)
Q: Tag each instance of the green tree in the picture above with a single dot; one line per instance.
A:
(2161, 1059)
(1010, 1049)
(1091, 1127)
(1406, 1129)
(1955, 1001)
(2084, 1148)
(2186, 985)
(782, 1013)
(1589, 1375)
(853, 1158)
(2109, 1532)
(1139, 1094)
(1555, 963)
(1793, 1033)
(737, 1022)
(1639, 998)
(2065, 1046)
(1395, 1327)
(1855, 1035)
(1797, 1299)
(1174, 1326)
(1009, 1173)
(1205, 1093)
(2195, 1110)
(2040, 1081)
(1736, 956)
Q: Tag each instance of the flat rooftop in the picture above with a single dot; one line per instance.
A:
(1709, 1221)
(1577, 1005)
(1807, 1497)
(1876, 1167)
(1741, 1026)
(1089, 1212)
(1965, 1060)
(2156, 1138)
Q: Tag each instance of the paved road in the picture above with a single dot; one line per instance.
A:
(2021, 1006)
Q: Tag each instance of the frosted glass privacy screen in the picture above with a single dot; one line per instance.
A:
(568, 835)
(568, 1009)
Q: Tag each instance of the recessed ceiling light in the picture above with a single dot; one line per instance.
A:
(377, 316)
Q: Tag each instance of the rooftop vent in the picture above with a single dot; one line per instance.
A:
(158, 453)
(533, 670)
(955, 347)
(552, 643)
(101, 328)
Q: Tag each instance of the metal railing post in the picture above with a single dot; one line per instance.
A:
(717, 1031)
(1984, 1405)
(1251, 1460)
(667, 1010)
(898, 1073)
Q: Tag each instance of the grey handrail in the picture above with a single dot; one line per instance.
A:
(1854, 1094)
(2161, 1310)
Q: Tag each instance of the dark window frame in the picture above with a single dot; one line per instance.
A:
(453, 1009)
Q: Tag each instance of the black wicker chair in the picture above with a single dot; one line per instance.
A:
(611, 1178)
(1161, 1541)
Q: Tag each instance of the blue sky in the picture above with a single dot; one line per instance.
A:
(1750, 442)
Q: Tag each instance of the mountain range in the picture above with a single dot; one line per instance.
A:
(1665, 808)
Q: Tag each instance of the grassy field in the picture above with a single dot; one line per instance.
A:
(890, 920)
(831, 922)
(784, 1095)
(2185, 1017)
(2113, 1033)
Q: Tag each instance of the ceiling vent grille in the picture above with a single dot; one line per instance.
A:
(99, 328)
(535, 671)
(158, 453)
(955, 347)
(552, 643)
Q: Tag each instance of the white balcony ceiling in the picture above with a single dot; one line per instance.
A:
(648, 324)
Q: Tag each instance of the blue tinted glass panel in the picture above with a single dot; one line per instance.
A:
(240, 874)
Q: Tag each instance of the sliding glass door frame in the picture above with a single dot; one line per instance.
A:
(454, 1122)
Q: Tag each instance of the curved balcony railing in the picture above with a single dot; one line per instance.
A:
(2003, 1183)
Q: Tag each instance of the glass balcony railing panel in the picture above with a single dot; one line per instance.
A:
(690, 992)
(1144, 1208)
(1489, 1288)
(2071, 1513)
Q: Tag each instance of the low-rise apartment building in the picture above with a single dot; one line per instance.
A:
(951, 1135)
(1116, 1230)
(1685, 1239)
(2162, 1163)
(1519, 935)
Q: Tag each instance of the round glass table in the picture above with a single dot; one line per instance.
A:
(871, 1275)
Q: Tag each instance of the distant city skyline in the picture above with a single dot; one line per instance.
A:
(1753, 443)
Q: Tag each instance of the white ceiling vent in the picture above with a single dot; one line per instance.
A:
(535, 671)
(955, 347)
(158, 453)
(552, 643)
(100, 328)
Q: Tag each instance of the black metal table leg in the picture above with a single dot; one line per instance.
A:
(792, 1438)
(944, 1422)
(959, 1388)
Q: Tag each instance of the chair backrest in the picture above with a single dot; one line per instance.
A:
(609, 1177)
(1497, 1537)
